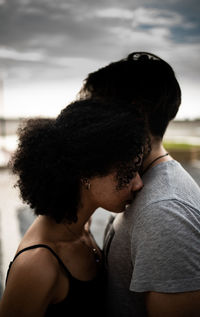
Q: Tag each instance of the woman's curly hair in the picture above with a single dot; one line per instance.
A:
(89, 138)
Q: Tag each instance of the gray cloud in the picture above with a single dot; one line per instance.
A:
(36, 24)
(58, 39)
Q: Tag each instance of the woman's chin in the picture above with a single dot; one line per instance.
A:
(124, 208)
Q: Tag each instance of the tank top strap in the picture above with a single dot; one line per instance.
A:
(40, 246)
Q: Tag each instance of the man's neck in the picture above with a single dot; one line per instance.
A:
(157, 153)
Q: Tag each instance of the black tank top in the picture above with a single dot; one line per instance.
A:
(84, 297)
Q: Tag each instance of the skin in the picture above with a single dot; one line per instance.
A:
(104, 193)
(173, 305)
(36, 280)
(185, 304)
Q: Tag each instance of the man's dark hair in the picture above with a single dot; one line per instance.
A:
(143, 79)
(88, 138)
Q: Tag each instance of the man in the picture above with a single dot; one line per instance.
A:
(152, 250)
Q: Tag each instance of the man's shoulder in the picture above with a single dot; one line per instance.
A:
(168, 181)
(167, 218)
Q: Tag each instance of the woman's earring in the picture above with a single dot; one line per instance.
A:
(86, 183)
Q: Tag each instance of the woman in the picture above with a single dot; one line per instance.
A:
(88, 157)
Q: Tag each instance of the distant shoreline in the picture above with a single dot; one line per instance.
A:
(180, 135)
(9, 126)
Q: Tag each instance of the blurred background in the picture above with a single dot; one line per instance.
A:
(47, 48)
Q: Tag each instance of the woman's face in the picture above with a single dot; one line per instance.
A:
(105, 192)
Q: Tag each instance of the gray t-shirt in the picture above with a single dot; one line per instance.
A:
(155, 244)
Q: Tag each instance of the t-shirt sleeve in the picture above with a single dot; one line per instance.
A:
(165, 248)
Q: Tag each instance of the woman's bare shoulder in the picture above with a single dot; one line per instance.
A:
(38, 263)
(32, 282)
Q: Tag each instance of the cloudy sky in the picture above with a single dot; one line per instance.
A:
(47, 47)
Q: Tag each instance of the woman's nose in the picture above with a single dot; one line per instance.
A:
(137, 183)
